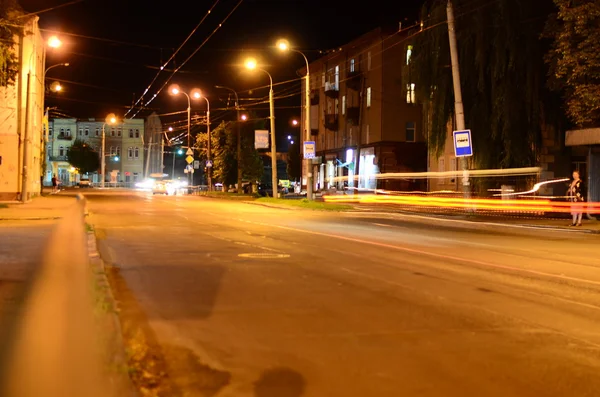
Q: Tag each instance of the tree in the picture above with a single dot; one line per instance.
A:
(9, 64)
(574, 58)
(224, 154)
(505, 97)
(294, 164)
(83, 157)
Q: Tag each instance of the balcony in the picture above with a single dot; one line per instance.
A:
(331, 122)
(64, 137)
(352, 115)
(58, 158)
(332, 90)
(354, 80)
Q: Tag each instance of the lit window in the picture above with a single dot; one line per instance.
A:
(410, 131)
(352, 65)
(344, 104)
(408, 54)
(368, 97)
(410, 93)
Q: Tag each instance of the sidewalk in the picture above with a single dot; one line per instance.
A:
(50, 206)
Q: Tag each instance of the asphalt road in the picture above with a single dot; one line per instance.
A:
(272, 302)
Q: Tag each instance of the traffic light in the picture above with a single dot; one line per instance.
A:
(180, 151)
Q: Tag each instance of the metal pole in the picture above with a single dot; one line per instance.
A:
(458, 104)
(239, 145)
(27, 136)
(189, 123)
(209, 154)
(173, 169)
(273, 141)
(309, 168)
(149, 152)
(103, 161)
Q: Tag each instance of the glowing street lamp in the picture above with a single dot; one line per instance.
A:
(251, 64)
(283, 45)
(54, 42)
(244, 117)
(294, 122)
(56, 87)
(170, 129)
(174, 89)
(110, 119)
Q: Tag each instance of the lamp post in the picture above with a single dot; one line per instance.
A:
(239, 139)
(179, 151)
(175, 90)
(110, 119)
(197, 94)
(251, 65)
(52, 67)
(283, 45)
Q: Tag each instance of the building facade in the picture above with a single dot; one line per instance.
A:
(364, 117)
(124, 150)
(153, 145)
(21, 113)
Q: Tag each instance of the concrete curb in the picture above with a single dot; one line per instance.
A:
(98, 264)
(48, 218)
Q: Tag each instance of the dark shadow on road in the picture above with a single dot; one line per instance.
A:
(280, 382)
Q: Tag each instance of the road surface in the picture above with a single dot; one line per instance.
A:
(247, 300)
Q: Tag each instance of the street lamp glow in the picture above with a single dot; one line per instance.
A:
(54, 42)
(196, 93)
(111, 119)
(180, 151)
(170, 129)
(116, 158)
(289, 137)
(244, 117)
(283, 45)
(56, 87)
(294, 122)
(174, 89)
(250, 63)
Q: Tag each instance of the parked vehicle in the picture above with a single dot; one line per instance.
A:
(84, 182)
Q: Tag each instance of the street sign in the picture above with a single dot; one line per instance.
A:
(189, 159)
(261, 139)
(309, 149)
(196, 164)
(463, 146)
(209, 163)
(189, 152)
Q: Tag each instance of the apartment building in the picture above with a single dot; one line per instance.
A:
(364, 116)
(21, 115)
(124, 149)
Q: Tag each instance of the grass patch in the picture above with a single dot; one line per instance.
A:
(306, 204)
(2, 205)
(229, 196)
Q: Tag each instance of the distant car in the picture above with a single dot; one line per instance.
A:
(84, 183)
(166, 187)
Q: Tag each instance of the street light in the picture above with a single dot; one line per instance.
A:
(54, 42)
(197, 94)
(56, 87)
(251, 64)
(239, 136)
(284, 45)
(170, 129)
(174, 89)
(110, 119)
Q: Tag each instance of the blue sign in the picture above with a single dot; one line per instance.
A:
(309, 149)
(463, 146)
(208, 163)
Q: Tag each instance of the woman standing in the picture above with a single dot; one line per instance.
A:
(575, 195)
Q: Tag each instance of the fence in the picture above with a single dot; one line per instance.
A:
(54, 346)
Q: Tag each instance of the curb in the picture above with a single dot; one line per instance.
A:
(97, 263)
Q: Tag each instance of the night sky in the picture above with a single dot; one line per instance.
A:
(115, 48)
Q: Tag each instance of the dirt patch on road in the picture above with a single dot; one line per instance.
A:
(159, 371)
